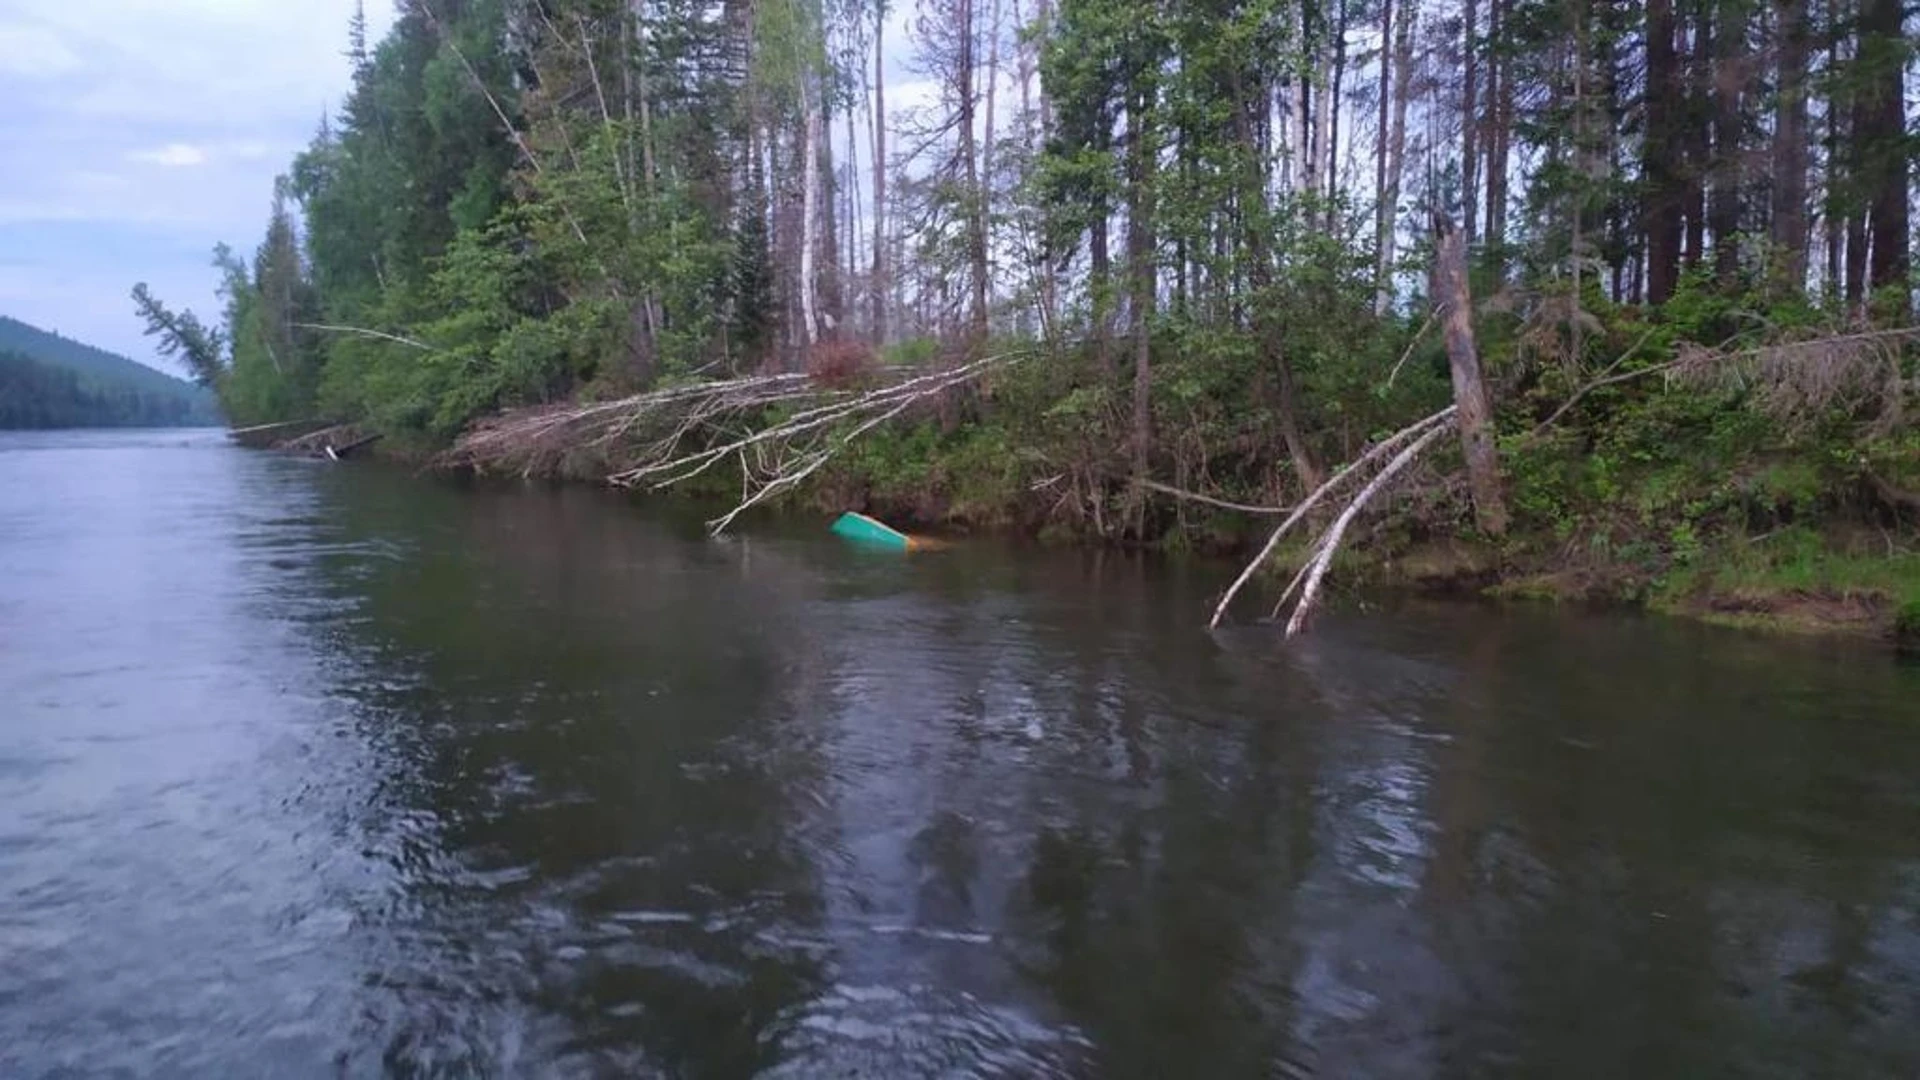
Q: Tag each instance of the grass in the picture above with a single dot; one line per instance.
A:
(1800, 579)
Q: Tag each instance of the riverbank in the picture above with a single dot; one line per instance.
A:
(1826, 577)
(1686, 498)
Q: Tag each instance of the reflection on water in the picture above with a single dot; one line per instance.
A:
(325, 770)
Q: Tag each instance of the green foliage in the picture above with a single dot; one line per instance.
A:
(41, 395)
(104, 384)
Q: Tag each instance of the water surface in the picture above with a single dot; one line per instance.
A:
(311, 770)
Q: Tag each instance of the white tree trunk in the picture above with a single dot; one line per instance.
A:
(880, 284)
(809, 210)
(1396, 152)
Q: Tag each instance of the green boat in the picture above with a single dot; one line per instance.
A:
(864, 530)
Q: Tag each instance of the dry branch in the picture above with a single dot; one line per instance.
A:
(1319, 494)
(1194, 496)
(664, 437)
(1329, 545)
(1795, 381)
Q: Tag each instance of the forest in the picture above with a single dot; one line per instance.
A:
(1189, 256)
(49, 381)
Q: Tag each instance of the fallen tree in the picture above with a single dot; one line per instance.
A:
(780, 429)
(1410, 442)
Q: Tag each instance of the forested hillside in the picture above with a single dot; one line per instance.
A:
(1212, 223)
(50, 381)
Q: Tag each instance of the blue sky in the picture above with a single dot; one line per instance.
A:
(138, 134)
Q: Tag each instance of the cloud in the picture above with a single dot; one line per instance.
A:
(139, 133)
(34, 53)
(172, 155)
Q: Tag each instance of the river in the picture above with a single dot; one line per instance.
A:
(318, 770)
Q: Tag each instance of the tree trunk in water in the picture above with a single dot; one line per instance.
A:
(1884, 53)
(1788, 229)
(1469, 388)
(879, 178)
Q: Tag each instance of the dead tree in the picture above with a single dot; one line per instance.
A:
(1469, 385)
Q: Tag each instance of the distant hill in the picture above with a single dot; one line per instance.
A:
(50, 381)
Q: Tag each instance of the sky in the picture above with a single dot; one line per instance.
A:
(140, 133)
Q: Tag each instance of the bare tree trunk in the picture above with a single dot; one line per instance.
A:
(1697, 131)
(1833, 214)
(1255, 235)
(1857, 186)
(1469, 120)
(1100, 283)
(1339, 44)
(1396, 153)
(1322, 114)
(1300, 171)
(809, 209)
(1469, 387)
(879, 176)
(1660, 165)
(1886, 148)
(1576, 249)
(963, 75)
(1382, 214)
(1790, 146)
(1140, 243)
(1500, 132)
(1729, 79)
(993, 83)
(985, 195)
(828, 295)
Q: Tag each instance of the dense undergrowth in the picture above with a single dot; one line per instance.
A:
(1687, 498)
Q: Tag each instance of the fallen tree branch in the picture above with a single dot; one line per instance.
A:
(1319, 494)
(1182, 493)
(781, 428)
(364, 332)
(1330, 540)
(1432, 314)
(1606, 378)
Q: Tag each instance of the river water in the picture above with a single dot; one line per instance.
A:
(332, 770)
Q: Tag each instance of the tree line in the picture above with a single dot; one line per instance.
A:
(1201, 206)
